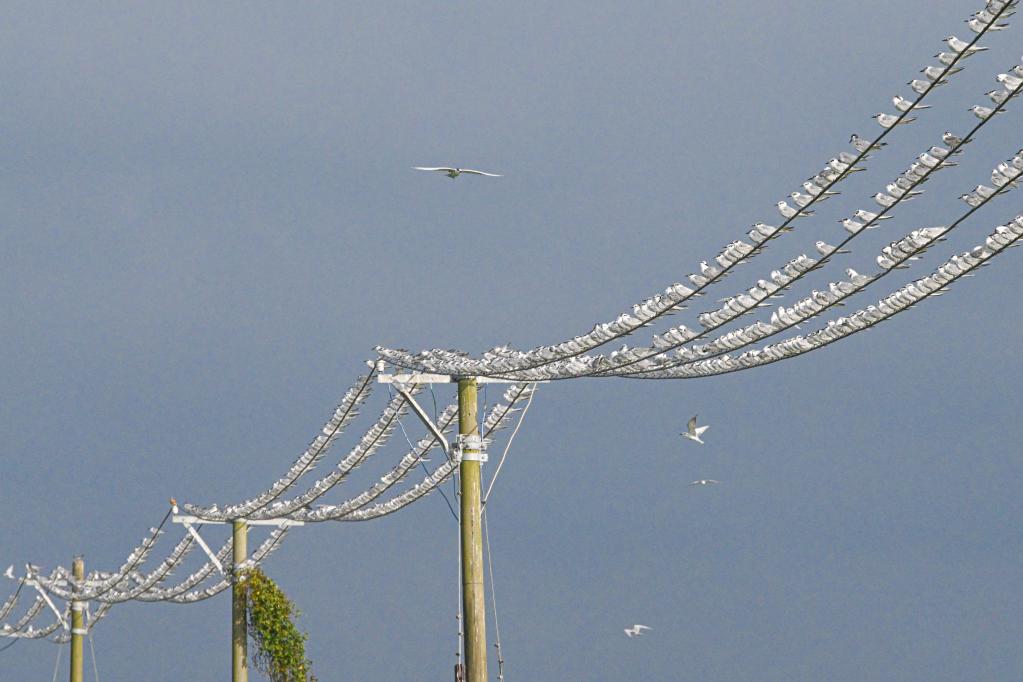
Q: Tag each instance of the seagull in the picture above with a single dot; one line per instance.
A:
(903, 104)
(693, 432)
(825, 249)
(1009, 81)
(705, 481)
(869, 217)
(636, 630)
(951, 140)
(887, 120)
(789, 212)
(455, 172)
(981, 112)
(958, 46)
(862, 145)
(852, 226)
(9, 573)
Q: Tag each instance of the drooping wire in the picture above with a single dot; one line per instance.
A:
(459, 651)
(493, 599)
(413, 447)
(92, 649)
(507, 446)
(56, 664)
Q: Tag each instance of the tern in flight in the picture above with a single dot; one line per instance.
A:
(455, 172)
(705, 481)
(693, 432)
(636, 630)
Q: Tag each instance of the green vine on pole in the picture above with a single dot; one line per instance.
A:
(280, 647)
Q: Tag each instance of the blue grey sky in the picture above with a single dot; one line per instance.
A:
(209, 221)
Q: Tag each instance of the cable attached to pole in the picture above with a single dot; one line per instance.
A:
(493, 600)
(507, 446)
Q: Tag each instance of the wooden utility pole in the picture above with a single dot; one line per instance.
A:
(471, 445)
(77, 624)
(239, 612)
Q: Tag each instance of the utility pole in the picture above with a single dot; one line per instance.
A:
(239, 612)
(77, 623)
(471, 446)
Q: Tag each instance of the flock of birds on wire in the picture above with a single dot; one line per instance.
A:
(671, 354)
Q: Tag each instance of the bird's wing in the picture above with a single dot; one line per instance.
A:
(427, 168)
(643, 627)
(691, 427)
(701, 429)
(695, 483)
(476, 172)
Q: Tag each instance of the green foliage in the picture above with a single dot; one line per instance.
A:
(280, 647)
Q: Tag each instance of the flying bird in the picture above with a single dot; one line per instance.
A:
(455, 172)
(9, 573)
(636, 630)
(705, 481)
(693, 432)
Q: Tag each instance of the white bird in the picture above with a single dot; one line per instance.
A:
(982, 112)
(869, 217)
(978, 26)
(951, 140)
(693, 432)
(903, 104)
(998, 96)
(958, 46)
(708, 270)
(884, 200)
(1011, 82)
(9, 573)
(935, 72)
(861, 145)
(789, 212)
(801, 200)
(825, 249)
(704, 481)
(887, 120)
(852, 226)
(636, 630)
(813, 190)
(455, 172)
(920, 87)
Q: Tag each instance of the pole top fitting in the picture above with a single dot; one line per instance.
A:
(470, 448)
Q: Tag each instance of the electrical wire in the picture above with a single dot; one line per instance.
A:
(507, 446)
(56, 663)
(493, 599)
(92, 649)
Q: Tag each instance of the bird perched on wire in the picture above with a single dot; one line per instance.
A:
(693, 432)
(636, 630)
(455, 172)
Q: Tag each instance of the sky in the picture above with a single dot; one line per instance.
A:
(209, 220)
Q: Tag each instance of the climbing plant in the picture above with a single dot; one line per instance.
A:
(280, 647)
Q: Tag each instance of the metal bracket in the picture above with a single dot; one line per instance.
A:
(202, 543)
(187, 521)
(426, 420)
(470, 448)
(49, 602)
